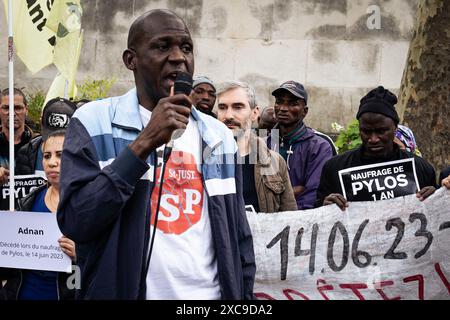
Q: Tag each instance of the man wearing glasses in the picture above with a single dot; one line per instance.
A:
(22, 134)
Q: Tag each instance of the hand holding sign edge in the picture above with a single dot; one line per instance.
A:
(336, 198)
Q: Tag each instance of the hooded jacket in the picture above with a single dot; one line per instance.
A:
(105, 202)
(4, 154)
(29, 158)
(4, 146)
(306, 156)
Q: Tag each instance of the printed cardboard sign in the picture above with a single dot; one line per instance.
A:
(23, 186)
(380, 181)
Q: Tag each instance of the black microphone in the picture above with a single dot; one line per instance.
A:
(182, 85)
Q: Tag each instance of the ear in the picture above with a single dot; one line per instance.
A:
(129, 59)
(305, 111)
(255, 114)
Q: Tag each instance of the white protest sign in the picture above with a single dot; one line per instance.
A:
(393, 249)
(29, 240)
(381, 181)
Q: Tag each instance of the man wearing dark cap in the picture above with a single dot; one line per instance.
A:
(305, 152)
(56, 115)
(378, 121)
(203, 95)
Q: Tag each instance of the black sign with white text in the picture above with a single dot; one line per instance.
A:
(380, 181)
(23, 186)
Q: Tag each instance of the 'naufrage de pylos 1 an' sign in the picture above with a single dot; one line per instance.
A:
(385, 250)
(23, 186)
(381, 181)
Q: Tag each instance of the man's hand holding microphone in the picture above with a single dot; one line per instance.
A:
(169, 115)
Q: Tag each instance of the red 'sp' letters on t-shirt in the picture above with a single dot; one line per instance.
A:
(182, 195)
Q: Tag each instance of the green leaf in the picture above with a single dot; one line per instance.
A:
(349, 138)
(95, 89)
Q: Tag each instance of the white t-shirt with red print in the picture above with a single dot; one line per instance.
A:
(183, 263)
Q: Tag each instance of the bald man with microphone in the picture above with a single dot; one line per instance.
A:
(155, 215)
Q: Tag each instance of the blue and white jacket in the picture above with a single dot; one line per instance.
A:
(105, 199)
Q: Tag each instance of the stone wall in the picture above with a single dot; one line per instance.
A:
(324, 44)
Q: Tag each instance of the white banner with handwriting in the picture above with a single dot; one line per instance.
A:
(391, 250)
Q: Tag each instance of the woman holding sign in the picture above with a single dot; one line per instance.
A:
(35, 284)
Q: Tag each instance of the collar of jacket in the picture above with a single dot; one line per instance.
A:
(308, 135)
(127, 116)
(298, 134)
(26, 136)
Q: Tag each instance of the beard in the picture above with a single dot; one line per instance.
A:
(239, 133)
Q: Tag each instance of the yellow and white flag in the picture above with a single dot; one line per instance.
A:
(64, 83)
(34, 43)
(65, 17)
(60, 88)
(65, 21)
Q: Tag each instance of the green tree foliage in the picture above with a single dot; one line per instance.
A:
(92, 89)
(348, 138)
(36, 101)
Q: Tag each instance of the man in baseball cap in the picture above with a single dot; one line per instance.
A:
(305, 151)
(203, 95)
(56, 115)
(295, 88)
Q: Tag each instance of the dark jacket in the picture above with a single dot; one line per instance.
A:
(4, 155)
(105, 205)
(5, 274)
(27, 157)
(14, 276)
(329, 181)
(4, 146)
(305, 159)
(2, 293)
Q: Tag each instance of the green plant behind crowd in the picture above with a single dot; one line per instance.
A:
(36, 101)
(92, 89)
(349, 137)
